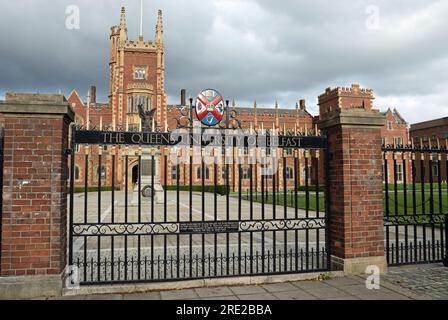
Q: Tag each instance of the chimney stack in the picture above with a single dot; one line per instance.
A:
(302, 104)
(93, 94)
(183, 97)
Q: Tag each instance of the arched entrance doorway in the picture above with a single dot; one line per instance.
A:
(134, 175)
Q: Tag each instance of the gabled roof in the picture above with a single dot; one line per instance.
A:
(397, 116)
(75, 93)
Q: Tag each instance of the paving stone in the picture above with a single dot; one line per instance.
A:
(387, 296)
(322, 293)
(343, 298)
(104, 297)
(221, 298)
(294, 295)
(248, 289)
(69, 298)
(359, 289)
(214, 292)
(258, 296)
(426, 280)
(143, 296)
(279, 287)
(341, 282)
(179, 294)
(309, 284)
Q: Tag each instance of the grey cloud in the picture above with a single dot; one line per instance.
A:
(260, 49)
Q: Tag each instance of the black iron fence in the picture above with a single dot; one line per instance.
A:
(416, 203)
(166, 220)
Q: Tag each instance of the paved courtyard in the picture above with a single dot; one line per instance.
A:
(419, 282)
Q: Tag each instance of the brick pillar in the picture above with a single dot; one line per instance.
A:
(355, 188)
(35, 173)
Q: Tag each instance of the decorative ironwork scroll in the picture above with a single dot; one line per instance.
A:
(201, 227)
(417, 219)
(124, 229)
(274, 225)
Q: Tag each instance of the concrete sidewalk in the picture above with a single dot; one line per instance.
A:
(417, 282)
(347, 288)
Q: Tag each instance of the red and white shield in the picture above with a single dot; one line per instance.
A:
(209, 107)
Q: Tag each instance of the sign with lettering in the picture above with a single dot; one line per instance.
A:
(200, 139)
(209, 227)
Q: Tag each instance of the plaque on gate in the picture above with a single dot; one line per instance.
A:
(209, 227)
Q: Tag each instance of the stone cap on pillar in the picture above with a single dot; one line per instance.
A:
(36, 103)
(352, 118)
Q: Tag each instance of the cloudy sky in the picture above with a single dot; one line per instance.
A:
(248, 49)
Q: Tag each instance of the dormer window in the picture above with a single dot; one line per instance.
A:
(140, 73)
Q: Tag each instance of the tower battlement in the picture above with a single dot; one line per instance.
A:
(131, 44)
(355, 89)
(345, 98)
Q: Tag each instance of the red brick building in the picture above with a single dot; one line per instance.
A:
(396, 133)
(433, 133)
(137, 75)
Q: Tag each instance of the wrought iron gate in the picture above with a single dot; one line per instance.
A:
(416, 202)
(219, 218)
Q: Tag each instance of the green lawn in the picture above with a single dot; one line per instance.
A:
(400, 186)
(401, 205)
(290, 200)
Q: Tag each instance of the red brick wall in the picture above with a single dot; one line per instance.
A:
(356, 219)
(34, 194)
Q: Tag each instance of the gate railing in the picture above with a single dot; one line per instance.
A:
(130, 228)
(415, 203)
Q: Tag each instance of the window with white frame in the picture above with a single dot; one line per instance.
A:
(76, 174)
(206, 173)
(139, 100)
(245, 173)
(389, 125)
(399, 172)
(174, 173)
(140, 73)
(435, 170)
(398, 141)
(289, 173)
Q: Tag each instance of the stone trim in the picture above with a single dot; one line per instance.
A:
(352, 118)
(358, 265)
(28, 287)
(7, 107)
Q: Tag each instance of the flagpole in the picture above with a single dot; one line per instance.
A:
(141, 18)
